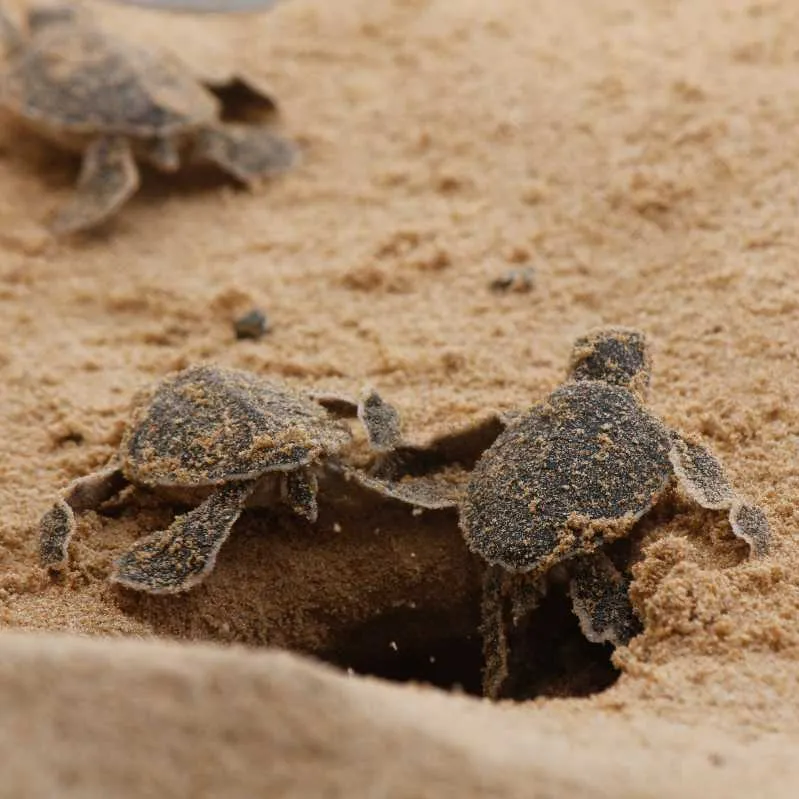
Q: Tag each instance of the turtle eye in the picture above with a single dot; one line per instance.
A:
(614, 355)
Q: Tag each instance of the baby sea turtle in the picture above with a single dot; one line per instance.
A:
(570, 477)
(218, 437)
(114, 103)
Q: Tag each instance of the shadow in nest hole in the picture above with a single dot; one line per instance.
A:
(548, 655)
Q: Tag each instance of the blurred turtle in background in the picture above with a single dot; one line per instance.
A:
(117, 103)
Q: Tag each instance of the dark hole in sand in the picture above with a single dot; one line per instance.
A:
(548, 654)
(377, 590)
(551, 657)
(402, 646)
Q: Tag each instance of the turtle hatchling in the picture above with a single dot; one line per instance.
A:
(115, 103)
(571, 476)
(221, 439)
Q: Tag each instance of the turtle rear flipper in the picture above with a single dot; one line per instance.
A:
(247, 153)
(600, 600)
(175, 559)
(58, 524)
(108, 178)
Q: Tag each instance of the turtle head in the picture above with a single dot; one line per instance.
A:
(616, 355)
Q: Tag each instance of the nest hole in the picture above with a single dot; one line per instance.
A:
(408, 647)
(550, 657)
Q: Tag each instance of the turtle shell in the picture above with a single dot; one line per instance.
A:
(207, 425)
(574, 472)
(71, 77)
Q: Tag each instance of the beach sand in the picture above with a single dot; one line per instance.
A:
(641, 160)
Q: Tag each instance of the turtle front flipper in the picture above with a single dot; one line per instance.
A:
(108, 178)
(702, 477)
(750, 524)
(420, 491)
(180, 557)
(247, 153)
(601, 602)
(58, 524)
(700, 474)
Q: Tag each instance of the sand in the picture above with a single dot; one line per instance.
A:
(641, 159)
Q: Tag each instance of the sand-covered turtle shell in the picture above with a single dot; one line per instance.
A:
(572, 473)
(207, 425)
(71, 77)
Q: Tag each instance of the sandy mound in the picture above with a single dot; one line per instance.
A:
(103, 718)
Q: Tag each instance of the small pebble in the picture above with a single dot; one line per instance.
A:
(252, 325)
(521, 281)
